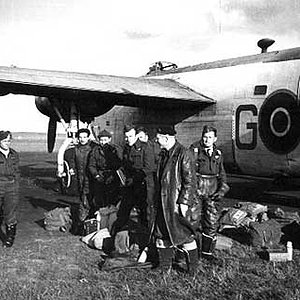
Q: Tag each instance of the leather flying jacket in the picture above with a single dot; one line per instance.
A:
(176, 185)
(104, 160)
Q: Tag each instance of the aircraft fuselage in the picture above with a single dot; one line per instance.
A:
(256, 111)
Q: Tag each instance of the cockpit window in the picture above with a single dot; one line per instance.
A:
(161, 66)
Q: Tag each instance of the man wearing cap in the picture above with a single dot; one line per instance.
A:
(175, 195)
(78, 158)
(138, 163)
(103, 162)
(211, 186)
(9, 186)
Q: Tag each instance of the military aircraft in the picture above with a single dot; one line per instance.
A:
(252, 100)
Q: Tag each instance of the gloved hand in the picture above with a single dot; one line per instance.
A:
(139, 176)
(122, 241)
(72, 172)
(220, 193)
(129, 181)
(84, 200)
(99, 178)
(183, 209)
(217, 196)
(109, 179)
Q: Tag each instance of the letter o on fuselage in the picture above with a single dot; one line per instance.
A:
(279, 122)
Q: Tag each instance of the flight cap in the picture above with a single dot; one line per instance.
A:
(104, 133)
(4, 134)
(167, 130)
(83, 130)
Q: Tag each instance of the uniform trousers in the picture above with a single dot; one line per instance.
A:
(9, 200)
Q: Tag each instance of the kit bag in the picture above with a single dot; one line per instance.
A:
(266, 234)
(104, 218)
(90, 226)
(58, 219)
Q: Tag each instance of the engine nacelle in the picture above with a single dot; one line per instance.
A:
(87, 108)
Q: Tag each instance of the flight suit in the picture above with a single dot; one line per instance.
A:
(78, 159)
(103, 163)
(9, 192)
(139, 166)
(211, 187)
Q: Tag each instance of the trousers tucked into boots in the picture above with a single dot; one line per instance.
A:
(192, 256)
(10, 235)
(192, 261)
(208, 245)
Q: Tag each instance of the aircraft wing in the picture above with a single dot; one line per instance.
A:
(121, 90)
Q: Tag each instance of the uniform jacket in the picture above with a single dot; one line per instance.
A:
(78, 159)
(176, 186)
(209, 165)
(138, 161)
(103, 160)
(156, 150)
(9, 167)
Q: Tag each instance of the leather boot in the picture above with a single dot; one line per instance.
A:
(165, 256)
(192, 261)
(208, 246)
(180, 259)
(10, 235)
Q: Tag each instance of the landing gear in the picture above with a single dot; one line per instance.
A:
(65, 178)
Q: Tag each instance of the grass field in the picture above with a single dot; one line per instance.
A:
(55, 265)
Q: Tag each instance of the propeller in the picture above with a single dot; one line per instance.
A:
(52, 125)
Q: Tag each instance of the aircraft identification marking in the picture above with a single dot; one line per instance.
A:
(250, 125)
(278, 123)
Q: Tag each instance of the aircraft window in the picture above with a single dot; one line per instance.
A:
(260, 90)
(161, 66)
(107, 123)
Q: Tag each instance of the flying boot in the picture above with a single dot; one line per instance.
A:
(208, 246)
(10, 235)
(165, 257)
(192, 257)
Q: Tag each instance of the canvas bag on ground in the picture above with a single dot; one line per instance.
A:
(104, 218)
(96, 238)
(58, 219)
(266, 234)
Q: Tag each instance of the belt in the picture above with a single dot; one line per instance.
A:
(207, 176)
(7, 178)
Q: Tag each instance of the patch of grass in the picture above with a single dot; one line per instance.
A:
(54, 265)
(61, 267)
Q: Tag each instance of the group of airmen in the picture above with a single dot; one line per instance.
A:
(174, 189)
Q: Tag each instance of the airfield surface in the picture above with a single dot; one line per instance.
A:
(39, 193)
(55, 265)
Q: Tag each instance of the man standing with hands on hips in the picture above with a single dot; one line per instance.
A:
(9, 186)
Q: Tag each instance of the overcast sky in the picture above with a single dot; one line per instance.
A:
(123, 37)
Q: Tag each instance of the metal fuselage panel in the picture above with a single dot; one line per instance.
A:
(238, 112)
(249, 97)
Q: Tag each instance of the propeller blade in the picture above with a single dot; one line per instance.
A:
(52, 125)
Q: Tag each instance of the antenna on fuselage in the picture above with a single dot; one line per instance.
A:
(264, 44)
